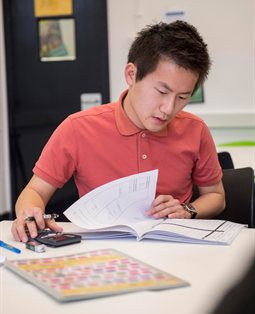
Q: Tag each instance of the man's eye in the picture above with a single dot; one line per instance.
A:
(183, 97)
(161, 92)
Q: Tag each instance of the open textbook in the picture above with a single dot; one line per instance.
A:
(118, 209)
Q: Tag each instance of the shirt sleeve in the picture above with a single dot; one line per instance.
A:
(207, 170)
(56, 163)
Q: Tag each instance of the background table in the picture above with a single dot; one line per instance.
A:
(210, 270)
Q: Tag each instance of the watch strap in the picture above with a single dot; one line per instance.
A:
(190, 209)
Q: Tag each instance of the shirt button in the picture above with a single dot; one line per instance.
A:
(144, 156)
(143, 135)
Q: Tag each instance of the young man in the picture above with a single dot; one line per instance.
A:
(146, 129)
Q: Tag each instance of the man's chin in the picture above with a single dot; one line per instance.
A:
(157, 128)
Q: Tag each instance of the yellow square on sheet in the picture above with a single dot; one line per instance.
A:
(53, 7)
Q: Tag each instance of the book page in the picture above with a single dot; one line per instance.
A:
(120, 202)
(195, 230)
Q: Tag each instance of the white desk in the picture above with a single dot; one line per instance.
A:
(209, 269)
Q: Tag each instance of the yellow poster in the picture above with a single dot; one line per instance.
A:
(53, 7)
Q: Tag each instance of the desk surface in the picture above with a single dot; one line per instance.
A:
(209, 269)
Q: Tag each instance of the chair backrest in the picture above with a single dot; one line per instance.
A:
(239, 193)
(225, 160)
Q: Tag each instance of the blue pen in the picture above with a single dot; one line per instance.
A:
(9, 247)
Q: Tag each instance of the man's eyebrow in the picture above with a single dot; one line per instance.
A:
(163, 84)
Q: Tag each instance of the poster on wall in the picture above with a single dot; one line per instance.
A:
(198, 96)
(44, 8)
(174, 15)
(57, 39)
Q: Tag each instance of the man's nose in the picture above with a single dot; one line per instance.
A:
(168, 106)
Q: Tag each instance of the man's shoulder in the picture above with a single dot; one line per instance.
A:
(189, 116)
(94, 111)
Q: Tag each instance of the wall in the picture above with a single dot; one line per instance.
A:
(5, 200)
(228, 27)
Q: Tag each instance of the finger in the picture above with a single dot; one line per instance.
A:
(32, 228)
(156, 209)
(163, 209)
(174, 215)
(20, 230)
(164, 213)
(26, 223)
(34, 221)
(161, 199)
(171, 209)
(38, 216)
(180, 213)
(53, 225)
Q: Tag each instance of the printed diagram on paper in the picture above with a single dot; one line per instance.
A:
(122, 200)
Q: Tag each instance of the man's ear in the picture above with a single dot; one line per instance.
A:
(130, 73)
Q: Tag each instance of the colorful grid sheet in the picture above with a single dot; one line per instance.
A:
(92, 274)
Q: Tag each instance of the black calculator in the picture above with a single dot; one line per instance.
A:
(57, 239)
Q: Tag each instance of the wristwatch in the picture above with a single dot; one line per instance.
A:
(190, 209)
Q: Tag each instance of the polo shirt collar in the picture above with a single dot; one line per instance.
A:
(125, 125)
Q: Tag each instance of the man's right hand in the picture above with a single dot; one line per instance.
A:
(23, 228)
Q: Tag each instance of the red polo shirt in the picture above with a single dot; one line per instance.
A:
(101, 144)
